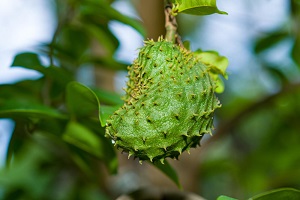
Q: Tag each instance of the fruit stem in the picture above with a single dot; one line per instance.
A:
(171, 26)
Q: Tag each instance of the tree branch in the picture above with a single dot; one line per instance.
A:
(171, 25)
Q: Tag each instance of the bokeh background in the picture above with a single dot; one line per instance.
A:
(256, 143)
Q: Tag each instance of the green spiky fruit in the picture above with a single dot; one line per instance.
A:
(169, 103)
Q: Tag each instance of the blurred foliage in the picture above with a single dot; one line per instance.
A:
(282, 193)
(256, 144)
(58, 147)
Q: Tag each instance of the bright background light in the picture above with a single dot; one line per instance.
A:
(24, 25)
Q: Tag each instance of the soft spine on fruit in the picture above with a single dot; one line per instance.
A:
(169, 103)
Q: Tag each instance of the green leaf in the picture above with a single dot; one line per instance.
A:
(25, 89)
(270, 40)
(196, 7)
(96, 145)
(296, 51)
(222, 197)
(59, 75)
(106, 62)
(104, 11)
(277, 73)
(278, 194)
(107, 111)
(81, 101)
(83, 138)
(26, 173)
(137, 25)
(74, 40)
(16, 108)
(108, 98)
(216, 65)
(116, 15)
(169, 171)
(102, 36)
(31, 61)
(27, 60)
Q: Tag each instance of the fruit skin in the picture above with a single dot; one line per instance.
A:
(169, 103)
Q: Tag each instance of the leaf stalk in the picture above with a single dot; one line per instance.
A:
(171, 25)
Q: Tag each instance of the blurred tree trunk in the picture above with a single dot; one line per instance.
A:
(152, 14)
(104, 77)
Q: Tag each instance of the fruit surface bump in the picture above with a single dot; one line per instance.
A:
(169, 103)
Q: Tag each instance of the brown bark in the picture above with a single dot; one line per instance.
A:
(152, 14)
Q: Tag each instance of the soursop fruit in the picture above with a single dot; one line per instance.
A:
(169, 103)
